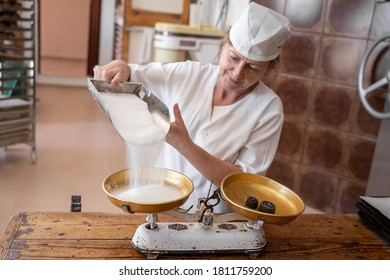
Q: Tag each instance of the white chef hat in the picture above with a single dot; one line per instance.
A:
(259, 33)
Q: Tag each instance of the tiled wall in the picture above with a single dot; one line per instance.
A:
(328, 139)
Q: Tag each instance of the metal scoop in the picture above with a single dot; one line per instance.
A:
(156, 107)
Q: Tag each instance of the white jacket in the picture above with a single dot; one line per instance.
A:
(245, 133)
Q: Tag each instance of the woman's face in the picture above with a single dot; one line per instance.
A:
(237, 72)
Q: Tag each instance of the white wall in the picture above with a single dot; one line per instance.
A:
(63, 41)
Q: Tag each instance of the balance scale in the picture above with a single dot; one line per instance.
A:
(254, 200)
(204, 232)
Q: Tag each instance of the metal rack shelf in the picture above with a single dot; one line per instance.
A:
(17, 73)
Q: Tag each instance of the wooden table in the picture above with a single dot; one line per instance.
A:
(107, 236)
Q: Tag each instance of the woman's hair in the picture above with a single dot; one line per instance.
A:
(226, 40)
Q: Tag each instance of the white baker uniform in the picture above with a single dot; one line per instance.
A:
(245, 133)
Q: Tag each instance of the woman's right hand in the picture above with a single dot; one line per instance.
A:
(116, 71)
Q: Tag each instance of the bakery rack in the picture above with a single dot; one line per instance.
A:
(17, 73)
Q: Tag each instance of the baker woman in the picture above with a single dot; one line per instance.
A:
(226, 120)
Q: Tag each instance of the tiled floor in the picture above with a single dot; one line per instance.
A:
(76, 149)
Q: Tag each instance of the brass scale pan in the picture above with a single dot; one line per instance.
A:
(235, 189)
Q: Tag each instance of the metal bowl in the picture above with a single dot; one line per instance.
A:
(172, 178)
(236, 188)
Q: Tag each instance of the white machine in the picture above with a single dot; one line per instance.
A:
(379, 179)
(176, 42)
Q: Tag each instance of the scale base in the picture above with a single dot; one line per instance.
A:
(196, 239)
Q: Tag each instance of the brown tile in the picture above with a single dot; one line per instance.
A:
(317, 83)
(295, 94)
(350, 18)
(381, 20)
(282, 171)
(362, 122)
(291, 140)
(350, 193)
(332, 105)
(270, 78)
(300, 54)
(324, 148)
(340, 60)
(360, 155)
(310, 19)
(318, 189)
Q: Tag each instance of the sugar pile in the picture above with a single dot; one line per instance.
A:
(149, 193)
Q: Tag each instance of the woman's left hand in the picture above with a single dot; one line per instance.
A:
(178, 136)
(211, 167)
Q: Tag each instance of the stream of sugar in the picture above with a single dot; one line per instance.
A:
(144, 145)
